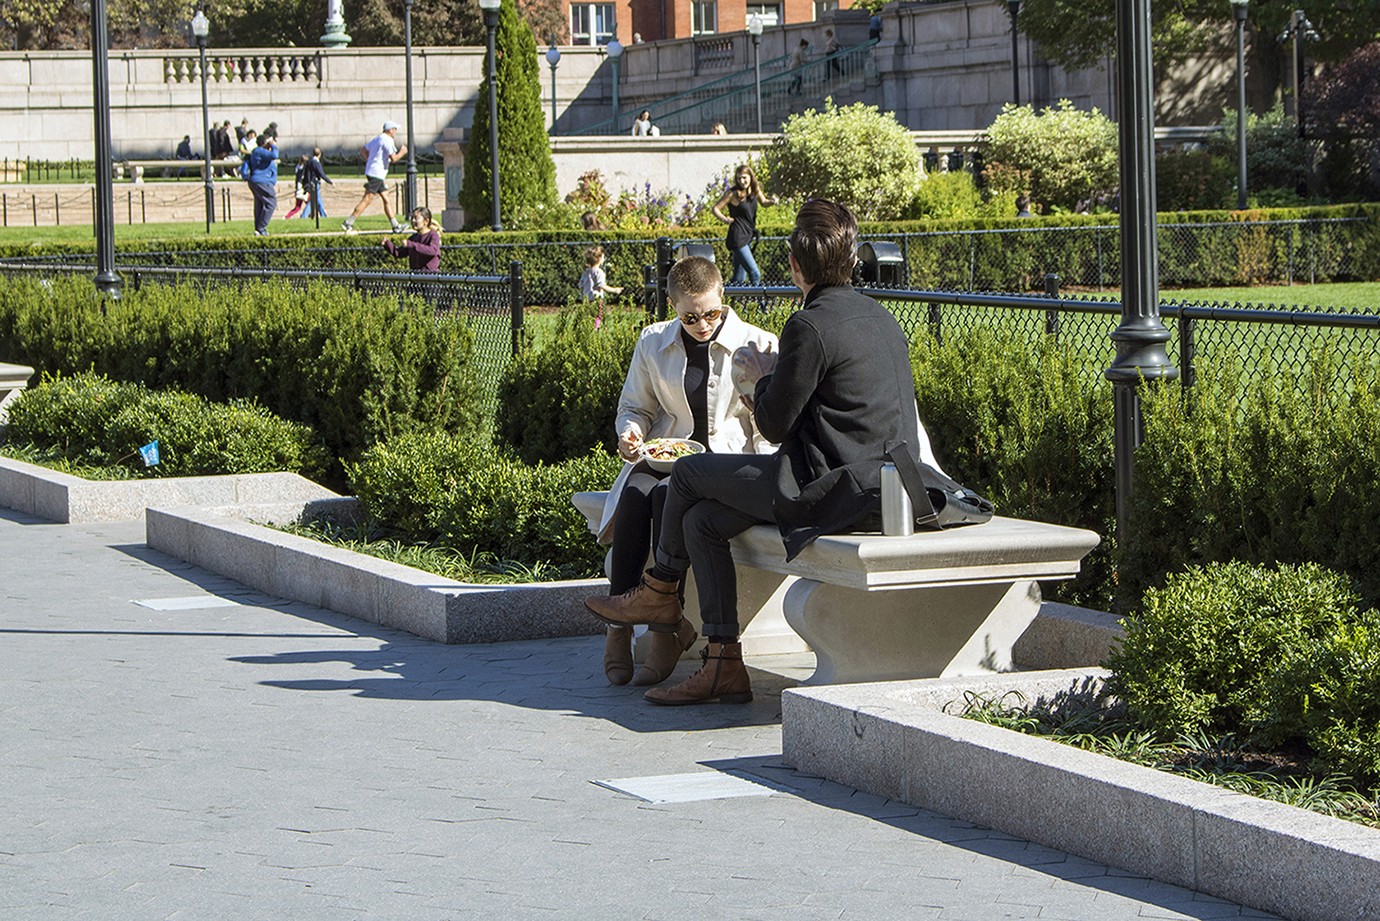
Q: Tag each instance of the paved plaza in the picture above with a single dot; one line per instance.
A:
(175, 745)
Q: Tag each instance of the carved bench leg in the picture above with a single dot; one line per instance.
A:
(910, 633)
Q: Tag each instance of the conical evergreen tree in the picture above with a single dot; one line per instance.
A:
(526, 173)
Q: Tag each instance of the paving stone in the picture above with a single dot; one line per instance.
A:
(278, 760)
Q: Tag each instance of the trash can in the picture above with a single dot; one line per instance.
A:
(703, 250)
(882, 264)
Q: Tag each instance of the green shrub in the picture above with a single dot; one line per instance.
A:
(1276, 157)
(431, 487)
(1028, 427)
(526, 171)
(91, 420)
(1193, 180)
(856, 155)
(945, 196)
(1279, 469)
(354, 369)
(1071, 155)
(559, 402)
(1202, 652)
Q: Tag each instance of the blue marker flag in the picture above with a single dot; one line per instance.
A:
(149, 453)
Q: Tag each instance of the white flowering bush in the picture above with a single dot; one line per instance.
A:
(1070, 154)
(856, 155)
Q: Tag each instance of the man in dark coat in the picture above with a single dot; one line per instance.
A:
(840, 393)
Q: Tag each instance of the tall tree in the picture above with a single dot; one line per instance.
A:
(527, 175)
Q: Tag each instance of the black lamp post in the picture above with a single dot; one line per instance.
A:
(107, 281)
(755, 30)
(411, 187)
(1239, 9)
(553, 57)
(201, 28)
(1141, 336)
(615, 50)
(491, 8)
(1299, 29)
(1014, 8)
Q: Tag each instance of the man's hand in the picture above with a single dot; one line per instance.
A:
(751, 364)
(629, 445)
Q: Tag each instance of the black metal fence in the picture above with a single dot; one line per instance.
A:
(1007, 259)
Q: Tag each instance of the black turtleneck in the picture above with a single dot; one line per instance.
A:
(697, 381)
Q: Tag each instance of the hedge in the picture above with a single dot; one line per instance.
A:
(90, 420)
(356, 370)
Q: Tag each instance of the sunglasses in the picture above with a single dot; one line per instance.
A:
(709, 316)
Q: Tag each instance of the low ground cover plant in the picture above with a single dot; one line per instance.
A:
(1262, 678)
(90, 421)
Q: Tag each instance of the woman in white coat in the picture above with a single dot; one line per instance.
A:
(679, 385)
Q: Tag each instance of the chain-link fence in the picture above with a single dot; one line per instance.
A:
(492, 306)
(1008, 259)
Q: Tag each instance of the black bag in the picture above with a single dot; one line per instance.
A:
(938, 501)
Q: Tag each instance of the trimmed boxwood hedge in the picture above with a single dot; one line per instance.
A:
(355, 369)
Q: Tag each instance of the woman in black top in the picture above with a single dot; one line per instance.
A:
(742, 201)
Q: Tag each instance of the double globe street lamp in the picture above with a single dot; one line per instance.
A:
(201, 28)
(1239, 9)
(553, 57)
(755, 30)
(491, 8)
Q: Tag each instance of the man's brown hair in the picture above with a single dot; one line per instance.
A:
(824, 242)
(692, 276)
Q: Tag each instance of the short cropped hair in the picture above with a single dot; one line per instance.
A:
(693, 276)
(824, 242)
(593, 255)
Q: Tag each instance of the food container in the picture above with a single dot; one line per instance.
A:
(662, 453)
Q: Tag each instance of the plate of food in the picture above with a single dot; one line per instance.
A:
(661, 453)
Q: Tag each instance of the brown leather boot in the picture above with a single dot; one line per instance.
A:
(723, 677)
(618, 660)
(664, 653)
(651, 601)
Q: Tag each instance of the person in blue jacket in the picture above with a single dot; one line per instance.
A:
(263, 182)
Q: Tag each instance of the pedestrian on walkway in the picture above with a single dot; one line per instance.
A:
(741, 218)
(299, 191)
(379, 154)
(799, 58)
(839, 395)
(263, 183)
(678, 386)
(831, 48)
(313, 176)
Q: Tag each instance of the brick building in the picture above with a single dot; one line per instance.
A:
(594, 23)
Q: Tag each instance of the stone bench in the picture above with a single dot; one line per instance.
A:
(13, 378)
(876, 608)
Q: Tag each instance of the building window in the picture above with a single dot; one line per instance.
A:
(769, 12)
(704, 17)
(825, 6)
(591, 23)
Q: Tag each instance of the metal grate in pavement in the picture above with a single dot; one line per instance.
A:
(689, 788)
(186, 603)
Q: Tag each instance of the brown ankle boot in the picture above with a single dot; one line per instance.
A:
(651, 601)
(723, 677)
(665, 653)
(618, 660)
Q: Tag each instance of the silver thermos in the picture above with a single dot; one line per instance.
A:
(897, 515)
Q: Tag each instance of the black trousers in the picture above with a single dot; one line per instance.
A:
(636, 526)
(713, 498)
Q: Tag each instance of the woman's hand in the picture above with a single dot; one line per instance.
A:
(630, 445)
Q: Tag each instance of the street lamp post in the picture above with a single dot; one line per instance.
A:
(755, 30)
(1014, 8)
(491, 8)
(201, 28)
(615, 50)
(553, 57)
(1239, 9)
(411, 187)
(1140, 337)
(107, 281)
(1299, 29)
